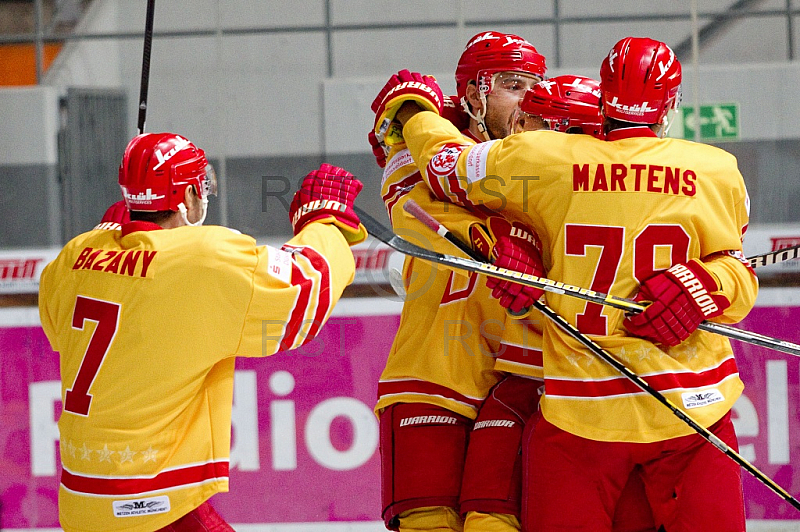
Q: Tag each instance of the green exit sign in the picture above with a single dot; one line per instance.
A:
(718, 121)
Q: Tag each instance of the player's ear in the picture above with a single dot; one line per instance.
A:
(190, 196)
(473, 97)
(192, 201)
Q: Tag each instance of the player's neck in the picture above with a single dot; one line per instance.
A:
(473, 132)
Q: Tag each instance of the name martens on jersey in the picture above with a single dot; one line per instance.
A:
(620, 177)
(134, 263)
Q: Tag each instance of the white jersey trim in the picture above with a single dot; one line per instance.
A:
(476, 161)
(400, 159)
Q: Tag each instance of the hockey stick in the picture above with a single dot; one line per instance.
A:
(774, 257)
(756, 261)
(148, 46)
(413, 208)
(377, 230)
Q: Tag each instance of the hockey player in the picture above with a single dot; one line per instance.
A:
(148, 319)
(494, 459)
(440, 367)
(636, 214)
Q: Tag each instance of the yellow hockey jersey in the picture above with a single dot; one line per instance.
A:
(148, 323)
(452, 332)
(610, 214)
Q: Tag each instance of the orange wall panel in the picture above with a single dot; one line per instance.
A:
(18, 63)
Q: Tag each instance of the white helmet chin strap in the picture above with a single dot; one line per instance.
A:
(184, 212)
(478, 117)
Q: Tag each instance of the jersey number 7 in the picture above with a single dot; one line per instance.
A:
(106, 315)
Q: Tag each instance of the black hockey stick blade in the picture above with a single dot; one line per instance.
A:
(405, 247)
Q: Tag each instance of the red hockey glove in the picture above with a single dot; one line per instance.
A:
(379, 150)
(118, 213)
(514, 247)
(682, 297)
(403, 87)
(327, 195)
(451, 110)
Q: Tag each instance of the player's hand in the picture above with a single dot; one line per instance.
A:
(682, 297)
(379, 149)
(515, 247)
(118, 213)
(451, 110)
(403, 87)
(327, 196)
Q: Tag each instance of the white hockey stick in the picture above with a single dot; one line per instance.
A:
(377, 230)
(420, 214)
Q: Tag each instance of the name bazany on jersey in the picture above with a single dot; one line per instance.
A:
(121, 262)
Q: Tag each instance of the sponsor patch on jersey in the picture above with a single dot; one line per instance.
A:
(400, 159)
(702, 398)
(476, 161)
(148, 506)
(280, 264)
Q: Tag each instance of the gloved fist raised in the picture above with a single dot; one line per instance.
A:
(327, 195)
(515, 247)
(379, 149)
(451, 110)
(405, 86)
(682, 298)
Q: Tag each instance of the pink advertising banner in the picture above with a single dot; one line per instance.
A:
(305, 441)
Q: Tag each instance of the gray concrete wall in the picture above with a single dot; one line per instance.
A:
(274, 88)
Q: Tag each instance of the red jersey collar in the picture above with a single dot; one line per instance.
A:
(132, 227)
(467, 133)
(630, 132)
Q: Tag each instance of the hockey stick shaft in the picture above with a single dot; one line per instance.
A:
(774, 257)
(377, 230)
(147, 48)
(418, 212)
(756, 261)
(413, 208)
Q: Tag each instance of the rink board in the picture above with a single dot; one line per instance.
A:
(305, 446)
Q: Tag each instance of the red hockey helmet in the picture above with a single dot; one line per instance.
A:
(491, 52)
(640, 81)
(156, 169)
(567, 102)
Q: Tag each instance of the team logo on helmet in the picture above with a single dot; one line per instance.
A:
(547, 85)
(181, 143)
(663, 69)
(519, 41)
(612, 55)
(482, 37)
(142, 198)
(634, 110)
